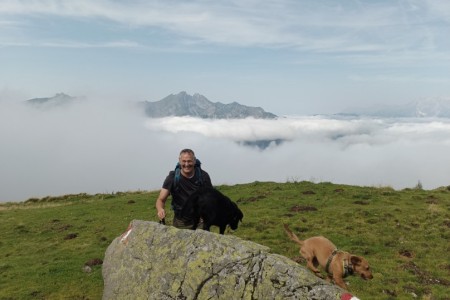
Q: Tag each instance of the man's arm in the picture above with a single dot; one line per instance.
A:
(161, 202)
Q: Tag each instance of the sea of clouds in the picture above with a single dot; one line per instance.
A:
(99, 146)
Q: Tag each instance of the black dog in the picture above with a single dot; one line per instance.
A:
(214, 208)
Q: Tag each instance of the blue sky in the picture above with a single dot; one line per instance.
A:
(289, 57)
(293, 58)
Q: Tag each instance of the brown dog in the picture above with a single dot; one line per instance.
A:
(319, 250)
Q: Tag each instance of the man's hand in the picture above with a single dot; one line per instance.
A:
(161, 214)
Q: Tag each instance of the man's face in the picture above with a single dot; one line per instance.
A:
(187, 162)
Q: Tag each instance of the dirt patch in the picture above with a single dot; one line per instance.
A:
(308, 193)
(70, 236)
(64, 227)
(406, 253)
(251, 199)
(415, 225)
(390, 293)
(37, 295)
(299, 208)
(361, 202)
(58, 226)
(423, 276)
(432, 200)
(339, 190)
(93, 262)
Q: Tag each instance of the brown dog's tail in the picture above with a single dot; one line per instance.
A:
(292, 235)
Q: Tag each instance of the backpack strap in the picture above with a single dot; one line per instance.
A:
(198, 172)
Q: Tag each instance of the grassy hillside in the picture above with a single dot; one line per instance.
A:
(47, 243)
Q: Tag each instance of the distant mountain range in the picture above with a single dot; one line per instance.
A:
(59, 99)
(181, 104)
(424, 108)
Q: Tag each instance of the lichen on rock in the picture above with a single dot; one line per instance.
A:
(153, 261)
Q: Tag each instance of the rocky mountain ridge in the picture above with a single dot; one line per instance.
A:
(60, 99)
(197, 105)
(183, 104)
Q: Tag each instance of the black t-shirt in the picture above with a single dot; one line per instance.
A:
(185, 187)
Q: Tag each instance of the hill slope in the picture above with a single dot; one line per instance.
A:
(52, 248)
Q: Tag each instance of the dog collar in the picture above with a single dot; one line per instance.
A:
(348, 268)
(327, 266)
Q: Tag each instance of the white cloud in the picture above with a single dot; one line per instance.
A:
(367, 28)
(103, 146)
(344, 132)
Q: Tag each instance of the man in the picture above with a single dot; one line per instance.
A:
(181, 183)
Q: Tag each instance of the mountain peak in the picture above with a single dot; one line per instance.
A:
(183, 104)
(57, 100)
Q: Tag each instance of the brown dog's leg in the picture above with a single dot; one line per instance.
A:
(310, 262)
(339, 281)
(310, 266)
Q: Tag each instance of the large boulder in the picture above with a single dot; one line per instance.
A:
(153, 261)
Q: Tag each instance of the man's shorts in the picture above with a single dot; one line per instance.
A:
(183, 223)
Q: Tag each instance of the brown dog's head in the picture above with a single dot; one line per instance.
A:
(361, 266)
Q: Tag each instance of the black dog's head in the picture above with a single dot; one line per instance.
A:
(236, 216)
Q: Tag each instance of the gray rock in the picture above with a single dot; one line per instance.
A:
(153, 261)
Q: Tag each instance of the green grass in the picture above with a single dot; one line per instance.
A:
(405, 235)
